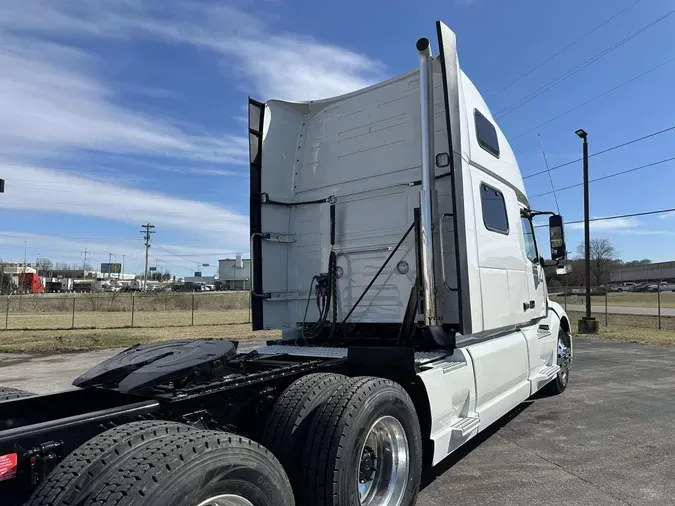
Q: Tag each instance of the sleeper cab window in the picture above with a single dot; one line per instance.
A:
(494, 209)
(486, 133)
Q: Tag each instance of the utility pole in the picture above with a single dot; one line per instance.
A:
(123, 266)
(84, 265)
(147, 232)
(110, 255)
(588, 324)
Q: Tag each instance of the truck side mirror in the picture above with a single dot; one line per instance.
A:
(557, 234)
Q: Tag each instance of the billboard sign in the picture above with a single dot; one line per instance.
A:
(152, 269)
(198, 274)
(111, 268)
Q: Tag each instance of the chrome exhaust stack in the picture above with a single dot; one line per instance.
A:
(428, 195)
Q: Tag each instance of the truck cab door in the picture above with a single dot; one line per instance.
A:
(535, 271)
(540, 341)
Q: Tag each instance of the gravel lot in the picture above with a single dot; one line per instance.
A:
(608, 440)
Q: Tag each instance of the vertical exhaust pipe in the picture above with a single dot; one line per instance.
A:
(428, 196)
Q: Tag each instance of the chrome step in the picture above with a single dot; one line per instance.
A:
(547, 373)
(465, 424)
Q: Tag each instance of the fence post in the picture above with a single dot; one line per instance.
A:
(658, 299)
(606, 297)
(193, 307)
(72, 324)
(133, 304)
(7, 313)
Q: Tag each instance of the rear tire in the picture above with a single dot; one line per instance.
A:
(364, 442)
(195, 469)
(8, 394)
(291, 417)
(73, 479)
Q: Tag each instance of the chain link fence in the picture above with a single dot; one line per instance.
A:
(120, 310)
(644, 307)
(648, 307)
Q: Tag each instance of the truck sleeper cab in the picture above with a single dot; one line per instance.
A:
(392, 243)
(338, 180)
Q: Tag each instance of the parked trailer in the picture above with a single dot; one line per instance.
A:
(56, 285)
(392, 244)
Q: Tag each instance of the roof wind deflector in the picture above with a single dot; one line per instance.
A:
(256, 116)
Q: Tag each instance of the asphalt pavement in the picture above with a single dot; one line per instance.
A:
(46, 374)
(608, 440)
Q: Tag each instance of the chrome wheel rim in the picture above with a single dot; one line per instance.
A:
(226, 500)
(563, 361)
(383, 465)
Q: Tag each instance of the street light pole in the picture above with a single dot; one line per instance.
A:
(588, 324)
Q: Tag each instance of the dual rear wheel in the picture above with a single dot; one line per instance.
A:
(330, 440)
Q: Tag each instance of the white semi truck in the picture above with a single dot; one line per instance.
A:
(392, 244)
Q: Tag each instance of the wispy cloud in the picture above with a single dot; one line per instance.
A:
(626, 226)
(273, 65)
(181, 259)
(51, 102)
(56, 108)
(618, 224)
(65, 193)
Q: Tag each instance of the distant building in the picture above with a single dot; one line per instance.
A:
(647, 273)
(15, 270)
(234, 273)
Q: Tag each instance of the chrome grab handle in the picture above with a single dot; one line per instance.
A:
(250, 265)
(441, 240)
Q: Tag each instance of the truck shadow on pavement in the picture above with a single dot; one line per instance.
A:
(430, 474)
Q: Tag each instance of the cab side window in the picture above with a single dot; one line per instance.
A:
(494, 209)
(528, 237)
(486, 134)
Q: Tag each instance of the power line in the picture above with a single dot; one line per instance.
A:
(564, 49)
(549, 173)
(556, 81)
(592, 99)
(612, 148)
(606, 177)
(202, 255)
(191, 260)
(615, 217)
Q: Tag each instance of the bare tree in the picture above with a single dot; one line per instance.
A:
(604, 257)
(44, 266)
(644, 261)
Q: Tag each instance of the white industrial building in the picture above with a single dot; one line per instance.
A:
(647, 273)
(234, 273)
(14, 270)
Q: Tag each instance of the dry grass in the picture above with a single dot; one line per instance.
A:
(636, 329)
(102, 320)
(49, 341)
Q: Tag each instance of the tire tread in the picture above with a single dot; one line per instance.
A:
(78, 470)
(323, 450)
(146, 470)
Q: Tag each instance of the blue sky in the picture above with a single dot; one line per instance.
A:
(119, 112)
